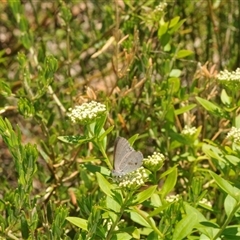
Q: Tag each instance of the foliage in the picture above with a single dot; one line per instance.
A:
(76, 74)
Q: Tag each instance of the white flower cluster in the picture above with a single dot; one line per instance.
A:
(189, 131)
(133, 179)
(154, 162)
(160, 8)
(204, 201)
(172, 198)
(229, 76)
(86, 112)
(234, 134)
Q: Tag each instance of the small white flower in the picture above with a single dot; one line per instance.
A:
(86, 112)
(234, 134)
(160, 8)
(154, 162)
(204, 201)
(189, 131)
(230, 79)
(172, 198)
(229, 76)
(133, 179)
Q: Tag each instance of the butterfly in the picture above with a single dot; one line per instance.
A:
(126, 159)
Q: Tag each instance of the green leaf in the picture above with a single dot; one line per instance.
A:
(169, 183)
(106, 133)
(226, 186)
(213, 152)
(176, 27)
(226, 100)
(136, 217)
(74, 139)
(229, 204)
(184, 109)
(175, 73)
(112, 204)
(132, 139)
(183, 54)
(178, 138)
(99, 127)
(96, 168)
(24, 227)
(5, 89)
(144, 195)
(26, 107)
(231, 232)
(172, 169)
(105, 186)
(191, 210)
(66, 13)
(122, 236)
(232, 159)
(174, 84)
(174, 21)
(185, 226)
(79, 222)
(165, 39)
(237, 121)
(159, 209)
(16, 8)
(211, 107)
(162, 30)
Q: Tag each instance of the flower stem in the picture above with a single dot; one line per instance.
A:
(110, 233)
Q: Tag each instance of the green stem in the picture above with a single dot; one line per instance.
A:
(119, 215)
(155, 229)
(228, 220)
(105, 157)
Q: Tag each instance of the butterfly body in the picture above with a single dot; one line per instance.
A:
(126, 159)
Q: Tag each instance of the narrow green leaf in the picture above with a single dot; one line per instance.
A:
(211, 107)
(232, 232)
(229, 204)
(185, 226)
(226, 186)
(24, 227)
(169, 183)
(233, 159)
(106, 133)
(74, 139)
(79, 222)
(123, 236)
(174, 21)
(174, 84)
(133, 139)
(112, 204)
(100, 122)
(176, 27)
(213, 152)
(183, 53)
(226, 100)
(159, 209)
(5, 89)
(184, 109)
(136, 217)
(162, 30)
(105, 186)
(172, 169)
(175, 73)
(191, 211)
(144, 195)
(237, 121)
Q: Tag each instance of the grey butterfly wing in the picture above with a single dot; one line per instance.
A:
(126, 159)
(121, 148)
(131, 162)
